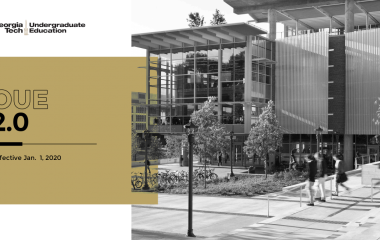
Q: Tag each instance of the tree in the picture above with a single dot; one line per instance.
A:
(155, 148)
(218, 18)
(210, 133)
(135, 143)
(174, 145)
(265, 135)
(195, 20)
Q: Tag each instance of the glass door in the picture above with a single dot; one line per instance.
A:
(373, 153)
(238, 155)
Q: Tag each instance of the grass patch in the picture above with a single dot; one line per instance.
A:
(241, 184)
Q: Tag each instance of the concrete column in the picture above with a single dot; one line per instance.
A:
(220, 59)
(147, 94)
(248, 86)
(272, 20)
(330, 30)
(366, 21)
(349, 16)
(286, 31)
(348, 152)
(297, 28)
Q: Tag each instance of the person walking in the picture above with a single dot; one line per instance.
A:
(340, 174)
(226, 158)
(320, 176)
(312, 165)
(220, 158)
(148, 165)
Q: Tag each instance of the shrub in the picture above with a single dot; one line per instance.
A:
(288, 176)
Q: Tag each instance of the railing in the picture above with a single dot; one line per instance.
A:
(372, 187)
(362, 160)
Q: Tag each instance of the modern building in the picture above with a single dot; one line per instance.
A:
(139, 116)
(323, 72)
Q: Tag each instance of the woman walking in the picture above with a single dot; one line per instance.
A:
(340, 175)
(312, 166)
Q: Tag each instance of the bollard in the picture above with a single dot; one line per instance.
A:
(300, 196)
(268, 206)
(331, 195)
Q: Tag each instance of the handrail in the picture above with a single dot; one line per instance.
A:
(372, 187)
(363, 159)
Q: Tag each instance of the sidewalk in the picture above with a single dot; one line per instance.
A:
(246, 218)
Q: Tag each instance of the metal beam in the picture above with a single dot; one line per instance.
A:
(207, 36)
(145, 42)
(181, 39)
(221, 35)
(156, 41)
(330, 16)
(297, 20)
(137, 44)
(233, 33)
(281, 5)
(364, 11)
(194, 37)
(169, 40)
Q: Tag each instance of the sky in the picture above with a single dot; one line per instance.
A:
(152, 16)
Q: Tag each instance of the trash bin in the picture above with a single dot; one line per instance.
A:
(180, 160)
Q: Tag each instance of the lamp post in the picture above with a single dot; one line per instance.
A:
(231, 138)
(190, 130)
(146, 138)
(318, 134)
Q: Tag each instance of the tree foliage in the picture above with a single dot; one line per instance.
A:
(135, 143)
(210, 133)
(195, 20)
(218, 18)
(174, 145)
(265, 135)
(155, 149)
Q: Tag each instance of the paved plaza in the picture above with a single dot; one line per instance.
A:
(352, 215)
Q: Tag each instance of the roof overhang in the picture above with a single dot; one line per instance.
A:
(311, 14)
(195, 36)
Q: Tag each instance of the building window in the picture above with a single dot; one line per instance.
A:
(140, 110)
(141, 95)
(140, 118)
(140, 126)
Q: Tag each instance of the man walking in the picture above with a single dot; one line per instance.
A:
(320, 177)
(220, 159)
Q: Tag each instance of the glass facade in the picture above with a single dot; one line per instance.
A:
(362, 82)
(181, 80)
(302, 82)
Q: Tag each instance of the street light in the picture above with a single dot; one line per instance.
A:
(318, 134)
(146, 137)
(231, 138)
(190, 130)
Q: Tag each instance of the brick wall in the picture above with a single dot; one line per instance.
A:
(337, 89)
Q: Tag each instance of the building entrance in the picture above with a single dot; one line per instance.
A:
(373, 152)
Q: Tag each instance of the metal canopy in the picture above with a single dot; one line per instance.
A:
(311, 14)
(195, 36)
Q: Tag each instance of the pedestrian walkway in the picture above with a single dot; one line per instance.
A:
(350, 214)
